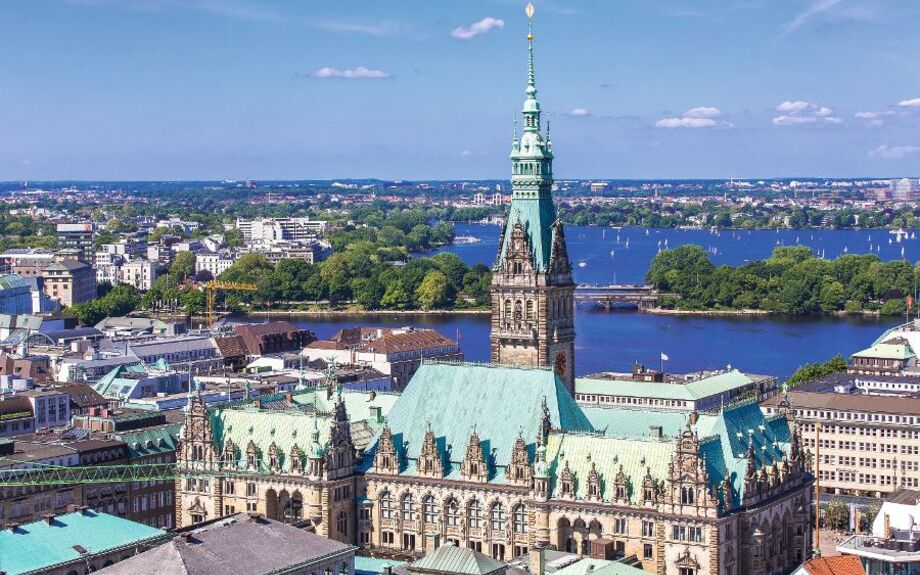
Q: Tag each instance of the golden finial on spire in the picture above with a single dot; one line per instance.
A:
(529, 10)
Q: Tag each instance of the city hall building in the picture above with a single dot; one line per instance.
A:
(499, 457)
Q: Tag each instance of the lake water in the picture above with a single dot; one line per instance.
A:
(616, 340)
(623, 256)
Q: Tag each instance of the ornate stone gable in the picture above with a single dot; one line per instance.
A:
(519, 471)
(430, 462)
(688, 480)
(475, 465)
(386, 460)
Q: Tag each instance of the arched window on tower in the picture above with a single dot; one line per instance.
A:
(530, 316)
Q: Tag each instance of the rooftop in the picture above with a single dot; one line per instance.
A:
(233, 545)
(677, 390)
(41, 545)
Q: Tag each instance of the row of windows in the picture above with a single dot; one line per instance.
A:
(432, 512)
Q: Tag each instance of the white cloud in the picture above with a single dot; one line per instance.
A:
(913, 102)
(884, 152)
(703, 112)
(798, 113)
(477, 28)
(814, 9)
(867, 115)
(578, 112)
(359, 73)
(685, 123)
(699, 117)
(466, 153)
(797, 106)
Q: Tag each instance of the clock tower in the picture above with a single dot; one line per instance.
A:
(533, 303)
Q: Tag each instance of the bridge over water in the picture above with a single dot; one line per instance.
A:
(614, 296)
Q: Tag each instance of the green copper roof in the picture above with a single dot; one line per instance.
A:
(283, 428)
(705, 387)
(899, 351)
(498, 401)
(373, 565)
(727, 437)
(636, 422)
(627, 441)
(154, 441)
(39, 546)
(608, 454)
(538, 216)
(458, 561)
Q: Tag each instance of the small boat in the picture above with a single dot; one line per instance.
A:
(646, 231)
(845, 250)
(889, 241)
(582, 264)
(627, 243)
(613, 253)
(902, 251)
(913, 235)
(466, 240)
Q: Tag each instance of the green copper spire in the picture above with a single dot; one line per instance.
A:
(531, 174)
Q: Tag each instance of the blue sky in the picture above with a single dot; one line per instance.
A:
(301, 89)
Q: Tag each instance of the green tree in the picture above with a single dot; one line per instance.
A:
(837, 514)
(396, 296)
(813, 371)
(183, 265)
(433, 292)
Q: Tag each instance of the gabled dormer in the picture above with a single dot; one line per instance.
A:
(430, 462)
(475, 466)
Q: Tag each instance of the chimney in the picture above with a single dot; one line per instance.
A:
(887, 519)
(289, 397)
(537, 560)
(255, 517)
(188, 537)
(387, 570)
(372, 396)
(694, 417)
(48, 518)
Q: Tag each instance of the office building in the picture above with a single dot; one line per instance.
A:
(79, 237)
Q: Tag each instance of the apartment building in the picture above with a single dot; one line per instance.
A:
(864, 430)
(70, 282)
(138, 273)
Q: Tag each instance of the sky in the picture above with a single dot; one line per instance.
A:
(304, 89)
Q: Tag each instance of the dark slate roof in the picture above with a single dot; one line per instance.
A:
(232, 545)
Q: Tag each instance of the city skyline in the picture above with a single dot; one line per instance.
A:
(195, 89)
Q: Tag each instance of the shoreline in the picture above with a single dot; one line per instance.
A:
(343, 312)
(710, 312)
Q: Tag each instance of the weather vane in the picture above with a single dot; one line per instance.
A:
(529, 10)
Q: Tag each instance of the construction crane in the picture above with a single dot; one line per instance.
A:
(43, 475)
(211, 288)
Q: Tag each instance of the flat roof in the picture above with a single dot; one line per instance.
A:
(689, 391)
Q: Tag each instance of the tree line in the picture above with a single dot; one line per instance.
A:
(792, 280)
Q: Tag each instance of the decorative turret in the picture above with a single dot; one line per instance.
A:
(541, 475)
(519, 470)
(387, 459)
(593, 483)
(429, 463)
(475, 466)
(532, 287)
(317, 455)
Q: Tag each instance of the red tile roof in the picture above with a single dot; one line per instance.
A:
(837, 565)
